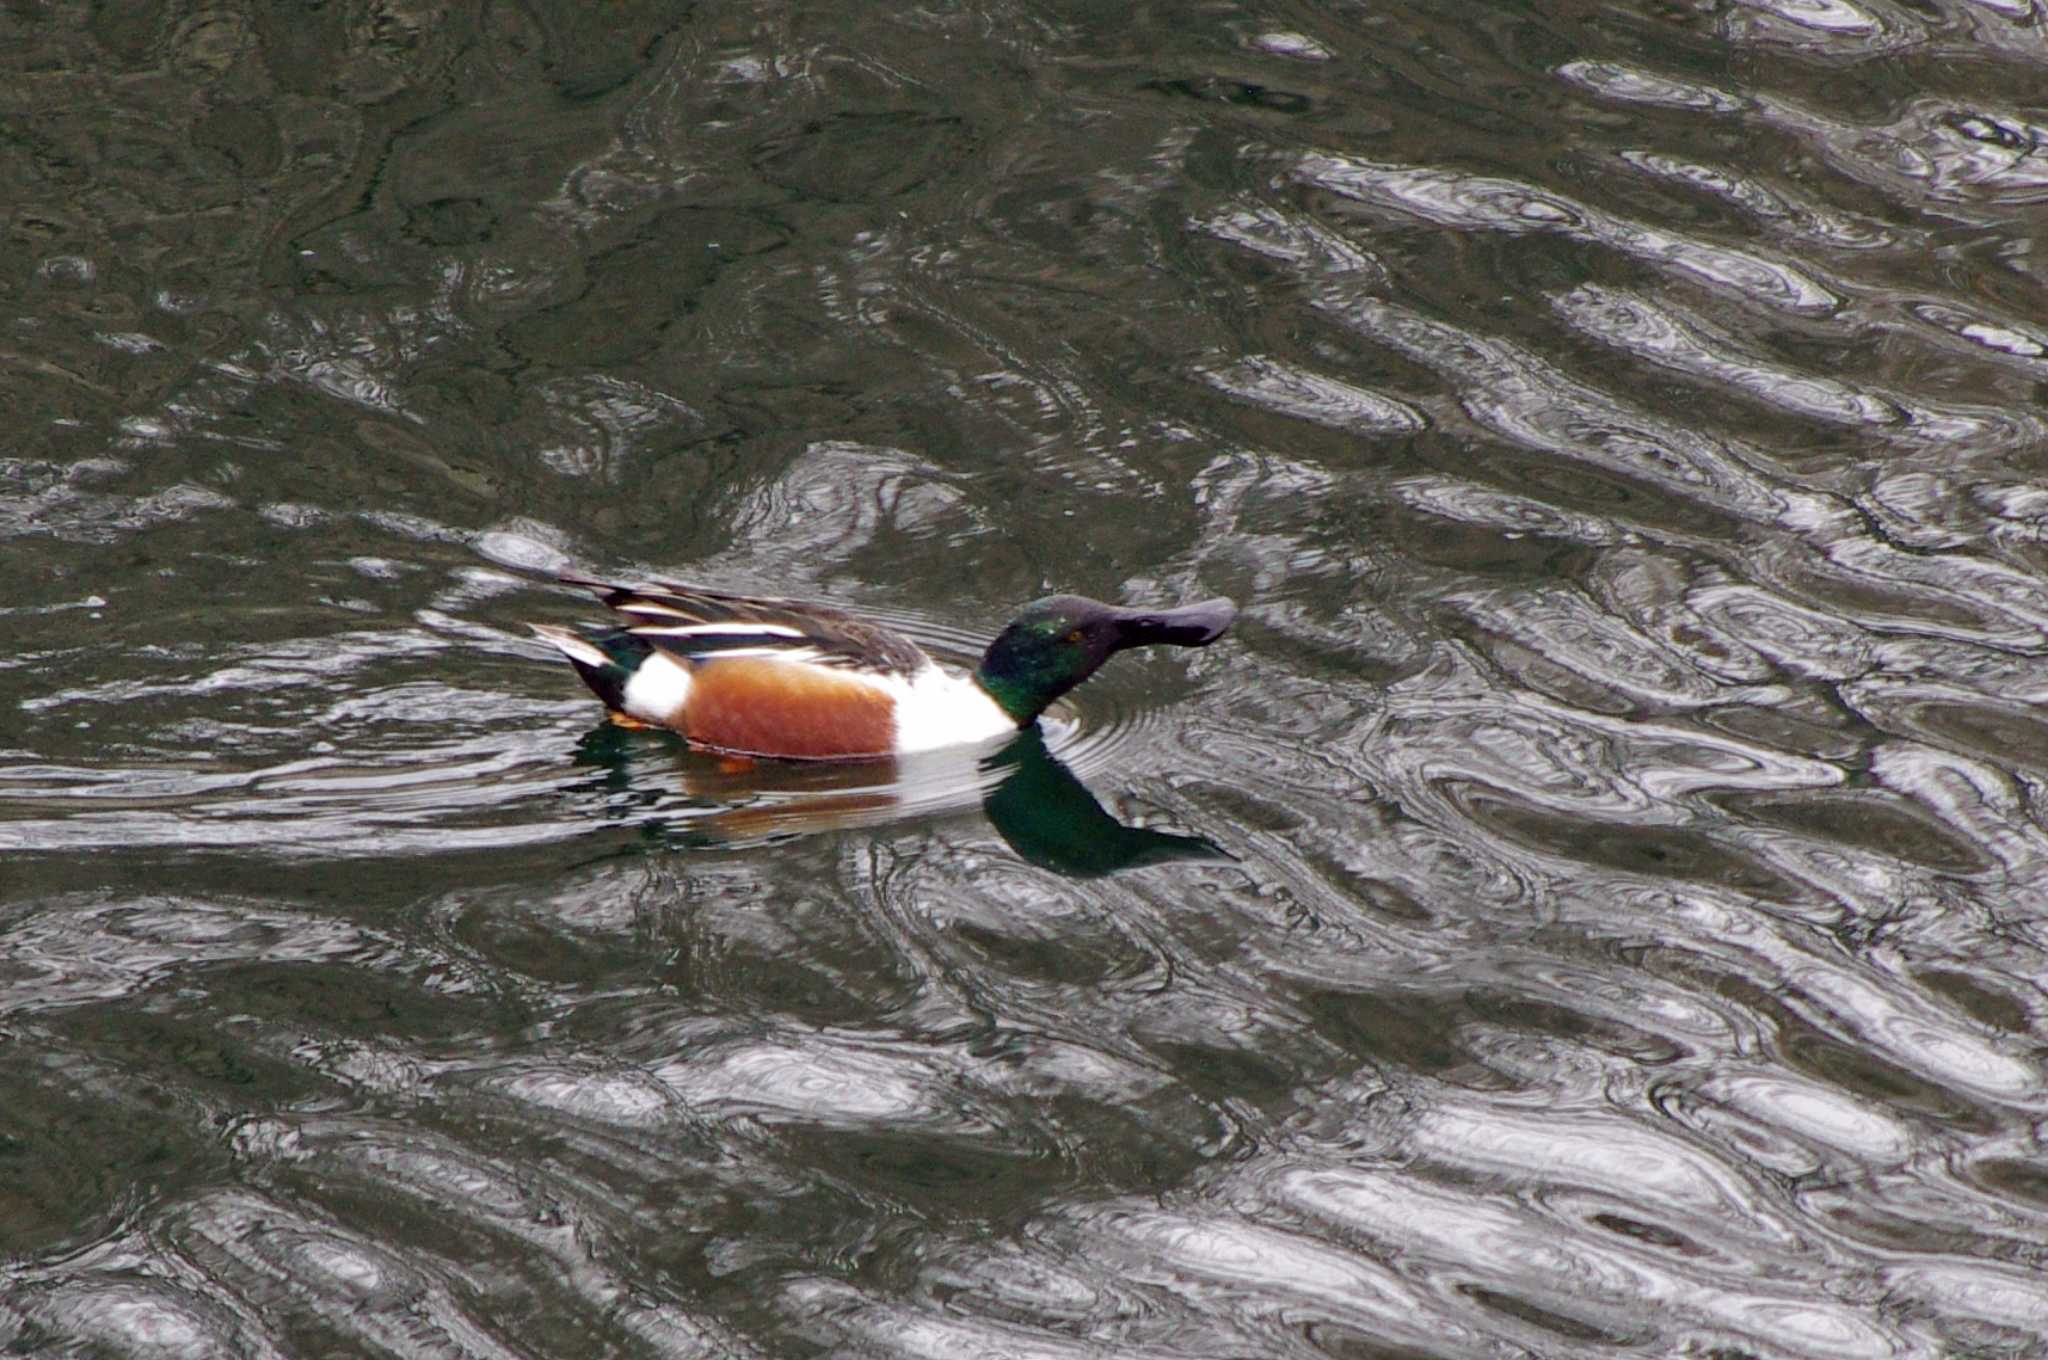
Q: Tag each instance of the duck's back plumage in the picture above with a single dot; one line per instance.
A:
(706, 624)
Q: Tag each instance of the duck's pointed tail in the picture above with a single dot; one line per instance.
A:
(607, 664)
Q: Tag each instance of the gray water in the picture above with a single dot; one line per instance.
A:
(1591, 904)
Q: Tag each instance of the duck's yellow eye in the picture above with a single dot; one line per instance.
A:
(1075, 636)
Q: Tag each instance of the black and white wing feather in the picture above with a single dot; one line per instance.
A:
(702, 625)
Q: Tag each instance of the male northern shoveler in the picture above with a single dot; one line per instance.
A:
(781, 678)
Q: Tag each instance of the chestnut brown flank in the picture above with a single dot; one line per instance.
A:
(776, 708)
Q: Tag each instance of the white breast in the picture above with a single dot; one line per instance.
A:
(935, 709)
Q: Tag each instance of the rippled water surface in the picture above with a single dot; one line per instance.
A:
(1594, 902)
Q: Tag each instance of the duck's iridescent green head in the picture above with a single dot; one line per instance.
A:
(1056, 643)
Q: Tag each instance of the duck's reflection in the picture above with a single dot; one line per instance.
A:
(1050, 819)
(1034, 801)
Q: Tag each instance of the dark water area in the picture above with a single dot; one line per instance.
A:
(1594, 902)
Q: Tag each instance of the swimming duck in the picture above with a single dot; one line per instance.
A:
(769, 677)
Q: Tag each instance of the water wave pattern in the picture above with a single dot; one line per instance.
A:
(1623, 931)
